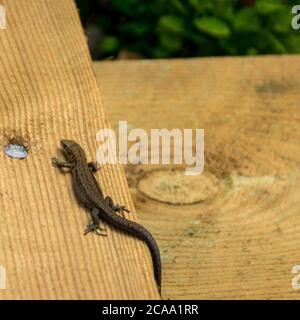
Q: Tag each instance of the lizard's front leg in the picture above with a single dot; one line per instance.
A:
(61, 164)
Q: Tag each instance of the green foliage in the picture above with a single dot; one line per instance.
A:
(171, 24)
(110, 44)
(185, 28)
(268, 7)
(212, 26)
(246, 20)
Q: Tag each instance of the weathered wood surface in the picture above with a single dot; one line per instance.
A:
(48, 91)
(241, 237)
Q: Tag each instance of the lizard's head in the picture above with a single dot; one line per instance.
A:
(71, 150)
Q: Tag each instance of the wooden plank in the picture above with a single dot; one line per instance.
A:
(48, 91)
(238, 235)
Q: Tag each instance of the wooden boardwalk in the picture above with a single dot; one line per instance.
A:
(232, 232)
(238, 234)
(48, 91)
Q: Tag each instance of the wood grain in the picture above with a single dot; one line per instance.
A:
(48, 91)
(238, 235)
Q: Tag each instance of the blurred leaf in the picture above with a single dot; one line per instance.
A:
(109, 44)
(267, 7)
(213, 26)
(171, 23)
(181, 8)
(251, 52)
(224, 8)
(201, 5)
(280, 21)
(274, 44)
(246, 20)
(171, 41)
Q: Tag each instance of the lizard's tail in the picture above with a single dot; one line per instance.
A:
(143, 234)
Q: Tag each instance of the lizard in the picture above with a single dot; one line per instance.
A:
(89, 194)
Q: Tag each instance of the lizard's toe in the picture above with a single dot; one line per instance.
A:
(119, 208)
(93, 227)
(90, 228)
(54, 161)
(124, 208)
(98, 233)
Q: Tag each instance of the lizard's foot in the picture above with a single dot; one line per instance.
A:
(61, 164)
(94, 227)
(115, 207)
(120, 209)
(55, 162)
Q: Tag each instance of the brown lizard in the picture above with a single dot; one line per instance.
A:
(89, 194)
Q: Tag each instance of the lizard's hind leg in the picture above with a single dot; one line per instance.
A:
(94, 226)
(116, 207)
